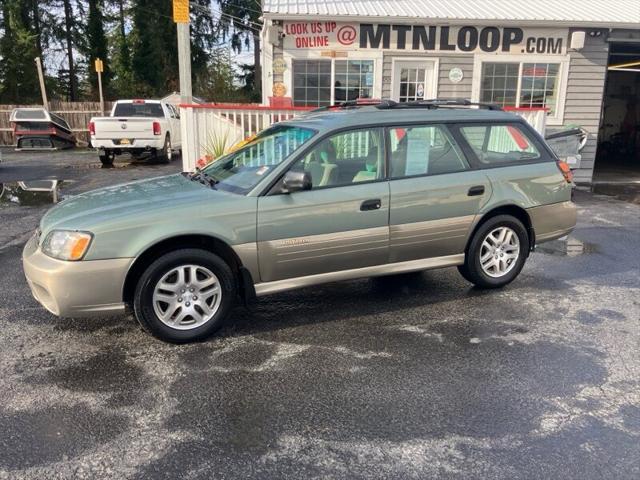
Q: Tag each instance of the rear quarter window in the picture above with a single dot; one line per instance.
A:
(500, 144)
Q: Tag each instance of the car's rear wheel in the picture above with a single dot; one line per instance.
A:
(185, 295)
(106, 158)
(497, 252)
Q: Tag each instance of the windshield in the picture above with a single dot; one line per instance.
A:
(138, 110)
(240, 171)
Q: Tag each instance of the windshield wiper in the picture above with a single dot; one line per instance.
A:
(202, 177)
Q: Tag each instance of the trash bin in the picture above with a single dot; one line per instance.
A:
(568, 143)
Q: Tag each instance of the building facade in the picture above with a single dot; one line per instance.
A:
(320, 53)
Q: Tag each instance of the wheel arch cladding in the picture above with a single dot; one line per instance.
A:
(512, 210)
(204, 242)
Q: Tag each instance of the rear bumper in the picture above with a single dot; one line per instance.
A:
(75, 289)
(136, 144)
(554, 221)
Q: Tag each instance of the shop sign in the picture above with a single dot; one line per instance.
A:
(429, 38)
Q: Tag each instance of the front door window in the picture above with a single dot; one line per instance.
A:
(412, 82)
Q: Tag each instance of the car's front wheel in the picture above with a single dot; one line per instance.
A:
(497, 252)
(185, 295)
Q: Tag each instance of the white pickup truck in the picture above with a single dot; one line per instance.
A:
(137, 127)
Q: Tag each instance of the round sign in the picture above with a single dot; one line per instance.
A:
(456, 75)
(279, 65)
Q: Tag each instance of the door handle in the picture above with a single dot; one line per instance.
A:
(476, 190)
(373, 204)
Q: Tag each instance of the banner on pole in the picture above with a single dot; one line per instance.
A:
(181, 11)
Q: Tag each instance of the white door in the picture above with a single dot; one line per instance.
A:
(413, 80)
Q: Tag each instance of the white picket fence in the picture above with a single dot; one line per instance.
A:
(203, 125)
(207, 124)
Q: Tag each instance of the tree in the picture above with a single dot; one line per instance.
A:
(247, 78)
(96, 46)
(155, 54)
(18, 48)
(122, 82)
(241, 18)
(69, 33)
(204, 34)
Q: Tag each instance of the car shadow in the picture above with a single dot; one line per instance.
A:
(392, 298)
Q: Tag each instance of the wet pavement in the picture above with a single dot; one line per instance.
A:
(414, 376)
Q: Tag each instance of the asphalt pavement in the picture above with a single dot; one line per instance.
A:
(406, 377)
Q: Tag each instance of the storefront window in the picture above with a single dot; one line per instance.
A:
(353, 79)
(539, 85)
(311, 83)
(500, 83)
(516, 84)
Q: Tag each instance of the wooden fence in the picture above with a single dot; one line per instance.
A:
(77, 114)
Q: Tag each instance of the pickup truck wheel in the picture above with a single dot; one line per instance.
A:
(497, 252)
(166, 154)
(106, 158)
(185, 295)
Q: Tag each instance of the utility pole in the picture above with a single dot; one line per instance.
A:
(190, 145)
(43, 90)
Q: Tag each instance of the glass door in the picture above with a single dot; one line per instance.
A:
(413, 80)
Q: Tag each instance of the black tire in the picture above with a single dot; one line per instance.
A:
(472, 269)
(106, 158)
(166, 154)
(143, 297)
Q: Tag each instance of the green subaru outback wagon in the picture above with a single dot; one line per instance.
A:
(338, 194)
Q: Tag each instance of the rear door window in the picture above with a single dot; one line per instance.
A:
(500, 144)
(424, 150)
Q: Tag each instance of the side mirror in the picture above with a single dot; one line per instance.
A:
(296, 181)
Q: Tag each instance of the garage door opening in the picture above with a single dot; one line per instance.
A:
(618, 153)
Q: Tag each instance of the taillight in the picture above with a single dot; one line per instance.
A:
(92, 128)
(565, 170)
(156, 128)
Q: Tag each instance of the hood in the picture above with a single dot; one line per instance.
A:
(83, 211)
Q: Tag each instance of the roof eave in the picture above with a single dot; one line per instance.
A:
(458, 21)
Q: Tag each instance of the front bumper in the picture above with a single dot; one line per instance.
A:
(75, 289)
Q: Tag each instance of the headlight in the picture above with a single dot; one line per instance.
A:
(66, 245)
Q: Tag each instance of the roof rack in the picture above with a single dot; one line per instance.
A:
(360, 102)
(436, 103)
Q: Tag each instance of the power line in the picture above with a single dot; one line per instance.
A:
(228, 2)
(257, 25)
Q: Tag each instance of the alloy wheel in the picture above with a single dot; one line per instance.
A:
(499, 252)
(187, 297)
